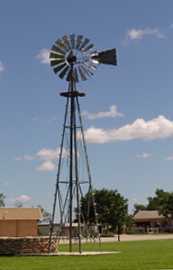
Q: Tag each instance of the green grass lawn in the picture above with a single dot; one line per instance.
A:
(139, 255)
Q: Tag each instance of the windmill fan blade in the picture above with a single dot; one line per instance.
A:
(72, 38)
(90, 65)
(67, 42)
(79, 41)
(54, 55)
(63, 72)
(84, 43)
(56, 62)
(86, 69)
(69, 76)
(58, 68)
(60, 44)
(57, 49)
(82, 75)
(106, 57)
(90, 46)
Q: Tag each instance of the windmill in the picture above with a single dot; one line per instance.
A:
(74, 58)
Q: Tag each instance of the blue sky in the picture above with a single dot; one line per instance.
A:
(129, 144)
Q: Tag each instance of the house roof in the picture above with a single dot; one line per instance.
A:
(147, 215)
(20, 213)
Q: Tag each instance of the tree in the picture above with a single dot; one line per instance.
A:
(157, 202)
(138, 207)
(2, 200)
(162, 201)
(111, 208)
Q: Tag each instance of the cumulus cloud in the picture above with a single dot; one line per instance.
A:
(112, 113)
(23, 198)
(46, 166)
(46, 156)
(2, 67)
(43, 56)
(144, 155)
(157, 128)
(50, 154)
(134, 33)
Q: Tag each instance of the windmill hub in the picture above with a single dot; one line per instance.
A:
(71, 59)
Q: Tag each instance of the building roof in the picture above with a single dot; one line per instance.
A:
(147, 215)
(20, 213)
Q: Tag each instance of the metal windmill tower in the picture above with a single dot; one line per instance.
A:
(74, 59)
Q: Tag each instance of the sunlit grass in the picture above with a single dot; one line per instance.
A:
(139, 255)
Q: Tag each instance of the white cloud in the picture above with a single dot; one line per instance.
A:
(113, 112)
(43, 56)
(156, 128)
(144, 155)
(46, 166)
(2, 67)
(46, 156)
(23, 198)
(50, 154)
(134, 33)
(169, 158)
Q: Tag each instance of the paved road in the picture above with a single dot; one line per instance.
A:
(127, 237)
(138, 237)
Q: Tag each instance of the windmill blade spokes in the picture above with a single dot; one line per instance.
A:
(55, 55)
(72, 39)
(82, 75)
(63, 72)
(67, 42)
(56, 62)
(55, 48)
(60, 45)
(90, 46)
(84, 43)
(79, 41)
(58, 68)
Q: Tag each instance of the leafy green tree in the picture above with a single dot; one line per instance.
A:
(157, 202)
(162, 201)
(2, 200)
(166, 206)
(111, 208)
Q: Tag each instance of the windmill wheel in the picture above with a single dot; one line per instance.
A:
(71, 57)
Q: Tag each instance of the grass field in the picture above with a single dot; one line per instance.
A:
(139, 255)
